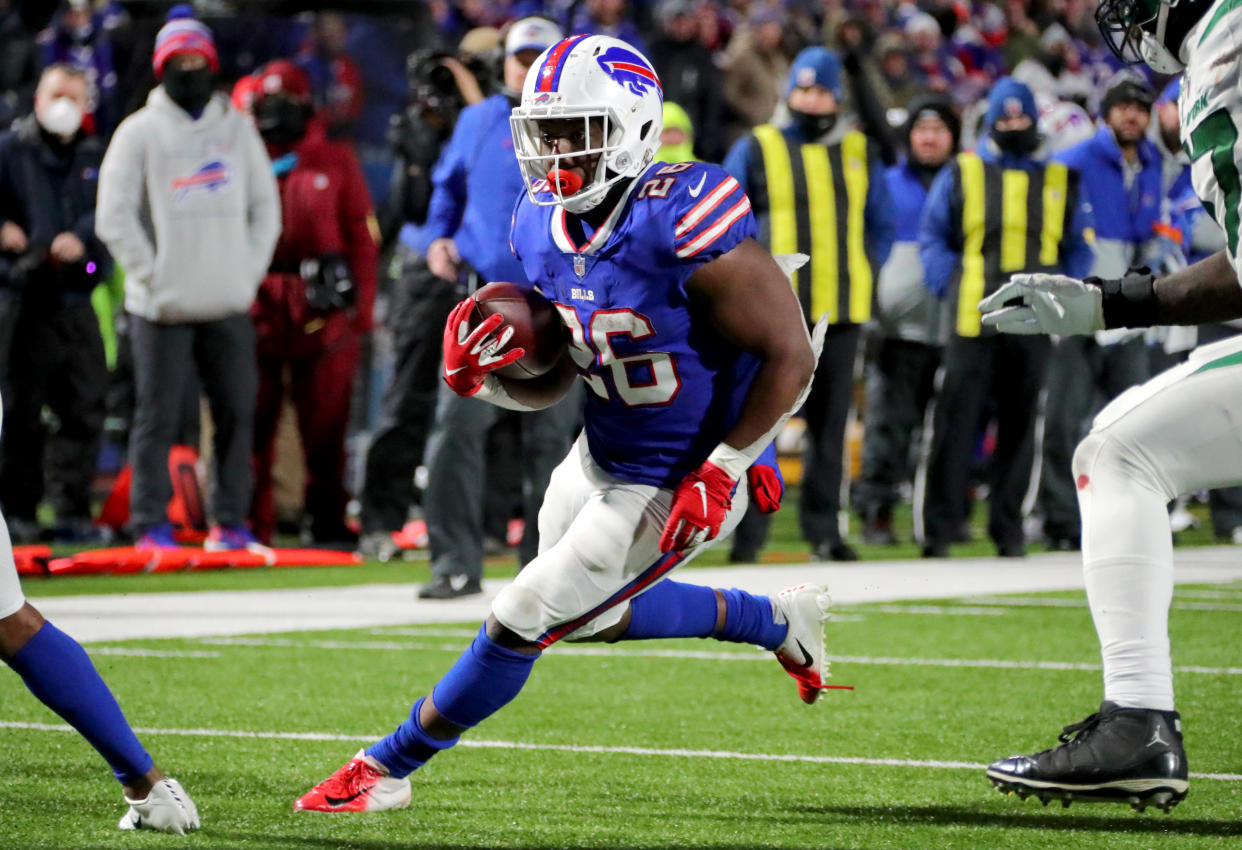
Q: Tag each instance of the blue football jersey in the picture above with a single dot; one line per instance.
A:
(664, 385)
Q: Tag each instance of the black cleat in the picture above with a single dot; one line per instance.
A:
(443, 587)
(1118, 755)
(838, 551)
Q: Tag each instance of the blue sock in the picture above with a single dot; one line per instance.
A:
(60, 673)
(672, 609)
(484, 679)
(748, 619)
(409, 747)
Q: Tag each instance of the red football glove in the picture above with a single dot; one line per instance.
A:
(766, 488)
(700, 503)
(470, 354)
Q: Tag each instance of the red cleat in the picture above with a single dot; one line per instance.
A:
(359, 786)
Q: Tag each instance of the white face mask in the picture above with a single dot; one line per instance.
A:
(62, 117)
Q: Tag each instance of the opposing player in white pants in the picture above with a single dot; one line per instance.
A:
(693, 347)
(1181, 431)
(58, 671)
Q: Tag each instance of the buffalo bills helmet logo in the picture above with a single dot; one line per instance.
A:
(211, 176)
(629, 70)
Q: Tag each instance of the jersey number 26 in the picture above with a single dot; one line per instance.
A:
(663, 381)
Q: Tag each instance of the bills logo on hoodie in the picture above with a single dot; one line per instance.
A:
(210, 177)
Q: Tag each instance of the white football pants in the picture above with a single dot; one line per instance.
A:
(1179, 432)
(599, 546)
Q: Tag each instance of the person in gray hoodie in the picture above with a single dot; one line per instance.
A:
(188, 206)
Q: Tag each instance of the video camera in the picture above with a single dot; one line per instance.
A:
(433, 87)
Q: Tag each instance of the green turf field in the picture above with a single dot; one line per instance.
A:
(616, 747)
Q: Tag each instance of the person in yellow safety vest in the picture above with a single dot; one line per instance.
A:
(817, 187)
(989, 214)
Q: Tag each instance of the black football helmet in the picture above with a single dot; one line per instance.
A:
(1151, 31)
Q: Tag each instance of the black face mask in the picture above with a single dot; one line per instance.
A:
(189, 88)
(814, 126)
(1017, 141)
(280, 120)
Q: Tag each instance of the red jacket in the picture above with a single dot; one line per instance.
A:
(326, 209)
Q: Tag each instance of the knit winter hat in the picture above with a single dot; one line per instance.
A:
(183, 33)
(1009, 98)
(816, 66)
(1125, 86)
(938, 106)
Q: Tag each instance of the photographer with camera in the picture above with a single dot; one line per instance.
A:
(441, 85)
(418, 301)
(315, 303)
(51, 351)
(465, 242)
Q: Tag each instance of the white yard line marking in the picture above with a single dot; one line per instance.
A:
(151, 653)
(1027, 602)
(966, 610)
(701, 655)
(571, 748)
(408, 632)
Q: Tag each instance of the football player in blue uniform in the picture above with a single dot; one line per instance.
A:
(694, 351)
(58, 671)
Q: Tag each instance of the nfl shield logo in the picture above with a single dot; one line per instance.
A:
(579, 265)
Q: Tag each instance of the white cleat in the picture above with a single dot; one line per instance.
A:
(804, 654)
(166, 809)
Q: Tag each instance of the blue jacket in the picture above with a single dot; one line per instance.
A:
(1123, 219)
(908, 197)
(878, 213)
(940, 231)
(904, 309)
(477, 181)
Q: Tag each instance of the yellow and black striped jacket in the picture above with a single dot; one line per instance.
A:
(1011, 221)
(811, 198)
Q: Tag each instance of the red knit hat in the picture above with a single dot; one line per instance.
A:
(183, 34)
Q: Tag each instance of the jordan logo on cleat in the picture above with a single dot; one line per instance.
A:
(1156, 739)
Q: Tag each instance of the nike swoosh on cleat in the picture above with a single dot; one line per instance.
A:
(340, 801)
(806, 656)
(694, 193)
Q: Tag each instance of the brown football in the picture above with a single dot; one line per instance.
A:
(537, 326)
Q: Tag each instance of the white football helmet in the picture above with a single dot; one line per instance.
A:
(588, 77)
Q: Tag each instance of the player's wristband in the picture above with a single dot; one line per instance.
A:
(733, 462)
(1128, 302)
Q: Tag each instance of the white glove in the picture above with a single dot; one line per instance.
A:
(1050, 304)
